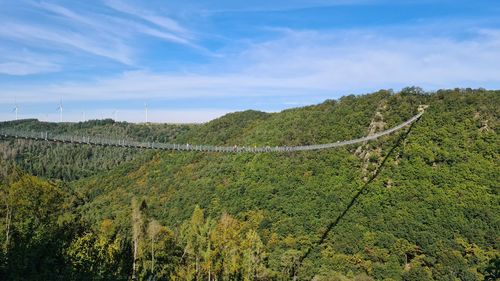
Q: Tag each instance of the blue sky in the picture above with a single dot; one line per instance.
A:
(192, 61)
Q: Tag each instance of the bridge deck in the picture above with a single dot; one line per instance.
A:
(82, 140)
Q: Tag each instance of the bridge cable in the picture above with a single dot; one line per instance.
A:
(97, 141)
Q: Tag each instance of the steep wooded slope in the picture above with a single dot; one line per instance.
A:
(436, 197)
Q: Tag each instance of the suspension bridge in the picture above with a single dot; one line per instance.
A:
(10, 133)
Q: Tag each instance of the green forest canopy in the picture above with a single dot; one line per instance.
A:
(94, 213)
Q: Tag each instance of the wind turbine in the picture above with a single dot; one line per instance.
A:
(146, 108)
(115, 113)
(60, 108)
(16, 109)
(83, 116)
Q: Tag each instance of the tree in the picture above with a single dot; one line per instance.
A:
(154, 228)
(228, 245)
(166, 254)
(192, 233)
(137, 234)
(33, 228)
(94, 256)
(492, 271)
(253, 257)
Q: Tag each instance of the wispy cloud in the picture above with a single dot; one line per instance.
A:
(27, 68)
(100, 34)
(67, 13)
(163, 27)
(21, 62)
(62, 40)
(122, 28)
(161, 21)
(350, 60)
(115, 51)
(319, 64)
(229, 6)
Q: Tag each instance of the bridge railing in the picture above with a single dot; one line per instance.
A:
(93, 140)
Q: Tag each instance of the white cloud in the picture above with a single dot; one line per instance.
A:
(80, 34)
(160, 21)
(37, 35)
(266, 5)
(24, 68)
(295, 63)
(352, 60)
(67, 13)
(117, 27)
(21, 62)
(317, 63)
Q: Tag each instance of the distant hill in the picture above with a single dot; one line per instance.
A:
(73, 162)
(431, 213)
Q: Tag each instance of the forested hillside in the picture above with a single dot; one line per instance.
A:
(69, 162)
(421, 204)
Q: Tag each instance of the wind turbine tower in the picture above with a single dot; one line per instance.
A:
(60, 108)
(16, 109)
(146, 108)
